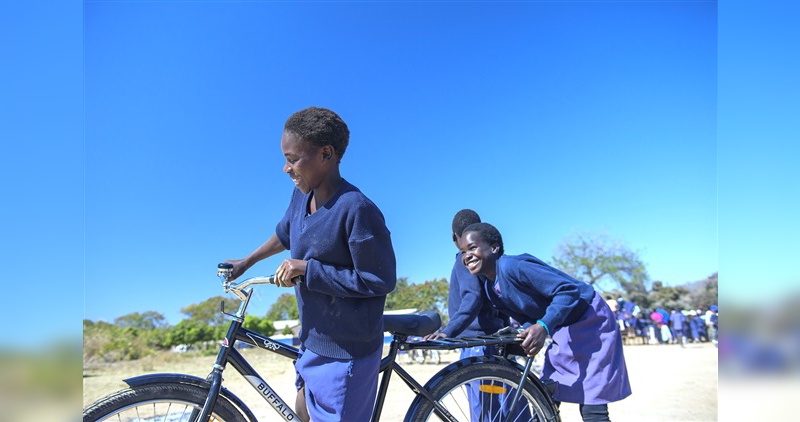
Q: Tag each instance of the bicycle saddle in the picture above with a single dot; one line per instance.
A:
(416, 324)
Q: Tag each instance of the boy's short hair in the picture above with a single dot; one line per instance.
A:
(463, 219)
(488, 233)
(320, 127)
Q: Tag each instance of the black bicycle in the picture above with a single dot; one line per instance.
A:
(502, 389)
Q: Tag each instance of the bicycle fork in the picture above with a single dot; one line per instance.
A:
(520, 387)
(215, 377)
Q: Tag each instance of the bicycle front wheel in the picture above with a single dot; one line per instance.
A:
(172, 402)
(484, 392)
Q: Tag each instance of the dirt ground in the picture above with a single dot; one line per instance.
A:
(669, 383)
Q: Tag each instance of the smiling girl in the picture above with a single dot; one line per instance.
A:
(585, 358)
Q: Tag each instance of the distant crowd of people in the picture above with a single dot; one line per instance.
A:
(659, 326)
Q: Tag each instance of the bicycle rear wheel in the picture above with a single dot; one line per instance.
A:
(483, 391)
(171, 402)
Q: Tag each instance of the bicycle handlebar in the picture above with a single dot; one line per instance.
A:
(225, 270)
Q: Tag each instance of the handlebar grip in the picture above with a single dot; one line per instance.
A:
(225, 266)
(300, 279)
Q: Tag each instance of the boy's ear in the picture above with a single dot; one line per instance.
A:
(495, 248)
(327, 152)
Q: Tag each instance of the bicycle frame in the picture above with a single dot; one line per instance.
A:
(229, 355)
(388, 365)
(236, 332)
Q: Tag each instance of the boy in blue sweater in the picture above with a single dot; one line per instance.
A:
(585, 358)
(340, 243)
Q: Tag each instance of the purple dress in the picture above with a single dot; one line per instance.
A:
(585, 358)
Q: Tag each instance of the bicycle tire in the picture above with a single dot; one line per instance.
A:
(495, 377)
(173, 402)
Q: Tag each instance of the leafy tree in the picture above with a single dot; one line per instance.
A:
(402, 296)
(156, 338)
(596, 259)
(430, 295)
(144, 321)
(208, 311)
(109, 343)
(219, 331)
(433, 295)
(669, 297)
(95, 336)
(259, 325)
(189, 331)
(285, 307)
(707, 295)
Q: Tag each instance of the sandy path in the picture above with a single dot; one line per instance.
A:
(669, 383)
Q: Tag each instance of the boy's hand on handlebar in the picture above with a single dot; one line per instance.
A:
(534, 337)
(288, 270)
(239, 267)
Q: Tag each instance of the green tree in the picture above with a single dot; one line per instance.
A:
(669, 297)
(95, 336)
(260, 325)
(285, 307)
(433, 295)
(707, 295)
(106, 342)
(430, 295)
(144, 321)
(402, 296)
(190, 331)
(597, 260)
(219, 331)
(208, 311)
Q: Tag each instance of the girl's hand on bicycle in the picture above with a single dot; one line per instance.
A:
(534, 337)
(435, 336)
(289, 269)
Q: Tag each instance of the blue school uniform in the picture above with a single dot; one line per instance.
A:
(350, 270)
(471, 314)
(676, 322)
(694, 326)
(585, 358)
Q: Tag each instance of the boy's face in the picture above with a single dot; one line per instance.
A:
(478, 255)
(306, 164)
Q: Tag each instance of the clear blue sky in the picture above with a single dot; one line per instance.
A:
(545, 117)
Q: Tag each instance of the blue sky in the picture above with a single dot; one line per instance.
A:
(546, 117)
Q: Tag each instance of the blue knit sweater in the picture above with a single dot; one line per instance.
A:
(471, 313)
(531, 290)
(350, 270)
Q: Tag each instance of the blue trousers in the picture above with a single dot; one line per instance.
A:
(338, 389)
